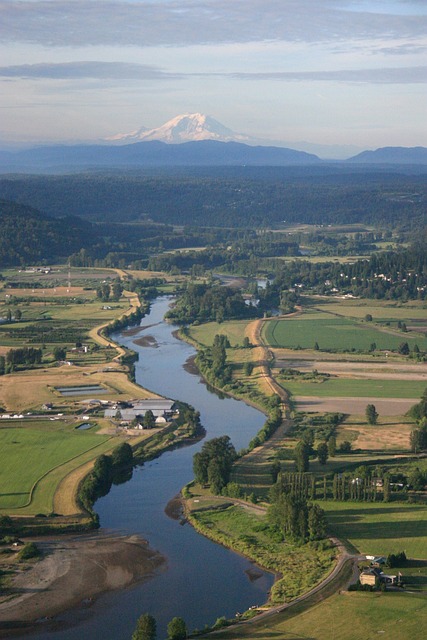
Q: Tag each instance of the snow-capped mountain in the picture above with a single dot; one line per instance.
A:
(190, 127)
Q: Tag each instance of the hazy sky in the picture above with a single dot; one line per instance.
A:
(325, 71)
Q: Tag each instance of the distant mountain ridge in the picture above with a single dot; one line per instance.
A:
(392, 155)
(153, 154)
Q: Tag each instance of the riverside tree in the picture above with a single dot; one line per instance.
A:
(145, 628)
(177, 629)
(213, 463)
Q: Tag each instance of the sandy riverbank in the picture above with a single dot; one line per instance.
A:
(73, 571)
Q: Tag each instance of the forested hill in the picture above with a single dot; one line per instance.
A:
(238, 198)
(28, 236)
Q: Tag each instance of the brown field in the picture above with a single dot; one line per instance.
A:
(389, 433)
(373, 368)
(30, 389)
(384, 406)
(63, 292)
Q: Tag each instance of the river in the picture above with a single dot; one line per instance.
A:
(202, 580)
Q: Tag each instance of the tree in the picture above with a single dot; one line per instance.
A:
(246, 343)
(18, 314)
(316, 346)
(316, 522)
(332, 446)
(371, 414)
(248, 368)
(177, 629)
(59, 353)
(145, 628)
(345, 447)
(122, 455)
(368, 317)
(322, 452)
(222, 452)
(403, 349)
(275, 470)
(215, 476)
(149, 421)
(301, 454)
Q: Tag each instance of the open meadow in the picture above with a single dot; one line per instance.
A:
(344, 616)
(334, 333)
(30, 452)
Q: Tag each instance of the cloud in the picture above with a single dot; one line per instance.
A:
(403, 75)
(86, 69)
(191, 22)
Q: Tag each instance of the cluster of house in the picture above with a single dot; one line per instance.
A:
(163, 410)
(374, 575)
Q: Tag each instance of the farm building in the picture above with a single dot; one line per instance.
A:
(374, 576)
(162, 410)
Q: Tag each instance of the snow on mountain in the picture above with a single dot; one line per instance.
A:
(191, 127)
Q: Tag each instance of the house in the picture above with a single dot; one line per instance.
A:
(373, 576)
(370, 576)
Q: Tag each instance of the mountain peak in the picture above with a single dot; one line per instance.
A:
(188, 127)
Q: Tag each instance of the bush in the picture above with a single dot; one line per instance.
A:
(29, 551)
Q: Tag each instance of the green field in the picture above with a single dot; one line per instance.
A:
(380, 528)
(350, 387)
(347, 616)
(233, 329)
(334, 333)
(28, 453)
(379, 310)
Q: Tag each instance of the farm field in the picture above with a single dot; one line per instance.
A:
(380, 528)
(28, 453)
(333, 333)
(29, 389)
(390, 432)
(351, 387)
(344, 616)
(379, 310)
(233, 329)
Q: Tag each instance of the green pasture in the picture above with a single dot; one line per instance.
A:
(344, 616)
(380, 528)
(334, 333)
(379, 310)
(355, 388)
(30, 452)
(233, 329)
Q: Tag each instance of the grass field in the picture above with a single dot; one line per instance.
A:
(333, 333)
(30, 452)
(379, 310)
(351, 387)
(380, 528)
(389, 433)
(233, 329)
(347, 616)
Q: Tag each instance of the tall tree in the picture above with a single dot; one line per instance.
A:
(177, 629)
(301, 454)
(322, 452)
(371, 414)
(145, 628)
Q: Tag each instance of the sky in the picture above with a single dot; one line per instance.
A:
(329, 72)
